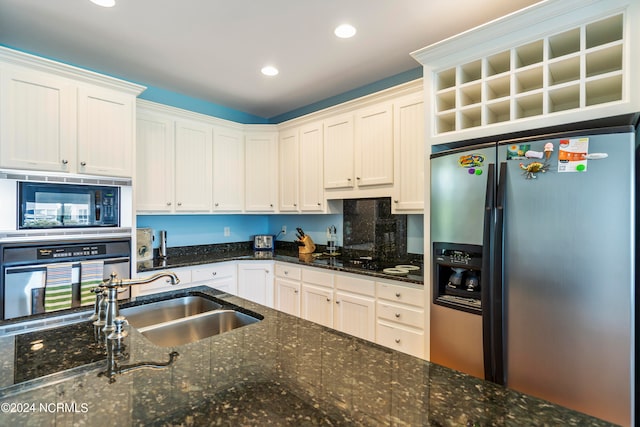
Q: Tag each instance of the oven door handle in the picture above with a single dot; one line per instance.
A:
(74, 264)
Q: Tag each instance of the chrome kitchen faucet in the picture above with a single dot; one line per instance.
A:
(106, 309)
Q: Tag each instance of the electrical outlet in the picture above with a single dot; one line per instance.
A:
(284, 229)
(227, 231)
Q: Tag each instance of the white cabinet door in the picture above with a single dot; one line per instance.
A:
(317, 304)
(37, 117)
(287, 296)
(105, 132)
(288, 166)
(255, 282)
(192, 167)
(311, 189)
(355, 315)
(154, 163)
(374, 145)
(409, 143)
(228, 170)
(261, 165)
(338, 152)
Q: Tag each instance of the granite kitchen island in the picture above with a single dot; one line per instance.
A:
(282, 370)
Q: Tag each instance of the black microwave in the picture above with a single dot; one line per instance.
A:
(53, 205)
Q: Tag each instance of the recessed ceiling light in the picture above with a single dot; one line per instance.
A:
(269, 70)
(345, 31)
(104, 3)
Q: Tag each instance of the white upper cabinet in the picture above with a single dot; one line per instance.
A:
(193, 167)
(37, 117)
(288, 166)
(155, 169)
(409, 144)
(105, 132)
(261, 171)
(311, 189)
(59, 118)
(228, 170)
(338, 152)
(557, 62)
(374, 145)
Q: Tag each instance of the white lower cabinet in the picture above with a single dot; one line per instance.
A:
(400, 318)
(317, 304)
(355, 315)
(255, 282)
(287, 289)
(355, 308)
(221, 276)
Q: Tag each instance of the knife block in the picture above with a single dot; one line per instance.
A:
(308, 248)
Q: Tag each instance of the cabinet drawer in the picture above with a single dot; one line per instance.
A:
(317, 277)
(401, 314)
(356, 285)
(213, 271)
(401, 294)
(288, 271)
(400, 339)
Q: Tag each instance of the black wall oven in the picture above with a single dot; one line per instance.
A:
(23, 282)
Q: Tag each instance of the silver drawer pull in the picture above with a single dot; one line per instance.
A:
(397, 315)
(397, 340)
(398, 294)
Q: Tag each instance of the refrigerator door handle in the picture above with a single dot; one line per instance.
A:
(489, 207)
(497, 286)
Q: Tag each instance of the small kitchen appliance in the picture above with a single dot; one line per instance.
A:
(264, 243)
(144, 244)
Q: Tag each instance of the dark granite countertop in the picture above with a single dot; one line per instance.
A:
(282, 370)
(188, 259)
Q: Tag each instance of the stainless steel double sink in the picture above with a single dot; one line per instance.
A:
(184, 319)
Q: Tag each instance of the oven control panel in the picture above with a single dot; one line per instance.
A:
(71, 251)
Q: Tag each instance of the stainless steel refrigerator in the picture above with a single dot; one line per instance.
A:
(534, 254)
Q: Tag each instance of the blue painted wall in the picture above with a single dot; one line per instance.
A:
(188, 230)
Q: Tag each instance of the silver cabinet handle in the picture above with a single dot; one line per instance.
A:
(83, 163)
(266, 271)
(179, 203)
(357, 177)
(319, 204)
(398, 315)
(328, 299)
(168, 203)
(395, 201)
(295, 291)
(295, 205)
(214, 273)
(397, 340)
(65, 161)
(216, 205)
(349, 179)
(286, 272)
(337, 302)
(398, 294)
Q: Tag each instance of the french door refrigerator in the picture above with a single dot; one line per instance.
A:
(534, 254)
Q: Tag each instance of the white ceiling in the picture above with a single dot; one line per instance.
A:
(213, 49)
